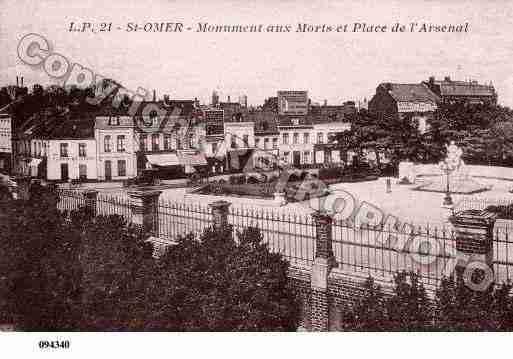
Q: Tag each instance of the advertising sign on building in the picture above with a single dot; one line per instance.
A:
(292, 102)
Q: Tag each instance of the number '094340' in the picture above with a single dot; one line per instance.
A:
(54, 344)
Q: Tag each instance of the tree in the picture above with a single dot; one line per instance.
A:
(73, 271)
(37, 266)
(220, 284)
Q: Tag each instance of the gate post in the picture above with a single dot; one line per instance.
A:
(91, 197)
(323, 263)
(474, 245)
(144, 207)
(22, 189)
(220, 213)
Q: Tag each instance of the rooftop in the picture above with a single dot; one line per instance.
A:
(410, 92)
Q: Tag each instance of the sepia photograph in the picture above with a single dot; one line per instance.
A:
(230, 166)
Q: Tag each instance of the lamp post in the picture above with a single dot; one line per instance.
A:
(447, 170)
(451, 163)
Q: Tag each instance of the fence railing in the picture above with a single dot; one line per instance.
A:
(428, 251)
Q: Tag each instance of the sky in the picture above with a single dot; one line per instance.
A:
(332, 66)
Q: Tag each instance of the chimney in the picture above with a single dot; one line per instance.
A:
(447, 79)
(22, 81)
(154, 95)
(431, 79)
(325, 102)
(17, 83)
(228, 98)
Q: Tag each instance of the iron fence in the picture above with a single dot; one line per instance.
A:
(380, 251)
(179, 219)
(291, 235)
(427, 250)
(69, 200)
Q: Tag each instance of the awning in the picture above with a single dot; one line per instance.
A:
(163, 159)
(192, 159)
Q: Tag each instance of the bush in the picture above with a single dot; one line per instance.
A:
(455, 307)
(330, 173)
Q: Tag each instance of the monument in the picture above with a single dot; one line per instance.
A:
(454, 177)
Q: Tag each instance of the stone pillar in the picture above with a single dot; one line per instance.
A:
(144, 207)
(323, 263)
(22, 190)
(474, 244)
(220, 213)
(90, 197)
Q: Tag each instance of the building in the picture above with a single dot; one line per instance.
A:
(470, 92)
(215, 99)
(292, 102)
(169, 139)
(393, 100)
(239, 142)
(243, 101)
(309, 140)
(5, 140)
(56, 146)
(270, 104)
(267, 137)
(115, 146)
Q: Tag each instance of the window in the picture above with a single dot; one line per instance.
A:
(106, 144)
(331, 137)
(82, 171)
(327, 157)
(286, 157)
(245, 139)
(266, 143)
(306, 157)
(214, 148)
(275, 143)
(155, 142)
(233, 141)
(167, 142)
(285, 138)
(320, 138)
(143, 143)
(121, 143)
(64, 150)
(82, 150)
(306, 137)
(257, 142)
(121, 168)
(114, 121)
(295, 138)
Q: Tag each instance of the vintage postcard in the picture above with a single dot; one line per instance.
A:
(259, 166)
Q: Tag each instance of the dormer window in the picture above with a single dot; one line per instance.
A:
(153, 118)
(114, 121)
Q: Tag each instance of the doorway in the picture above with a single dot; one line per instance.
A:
(296, 158)
(108, 170)
(64, 172)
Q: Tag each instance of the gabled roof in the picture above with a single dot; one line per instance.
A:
(459, 88)
(68, 125)
(172, 107)
(410, 92)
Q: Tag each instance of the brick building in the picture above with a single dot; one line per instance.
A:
(470, 92)
(398, 100)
